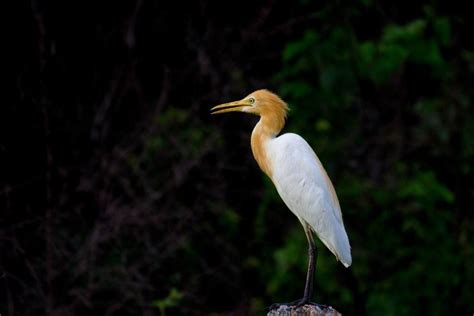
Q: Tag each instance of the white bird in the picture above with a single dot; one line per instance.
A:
(298, 176)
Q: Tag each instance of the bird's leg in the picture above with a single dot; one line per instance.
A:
(313, 255)
(308, 289)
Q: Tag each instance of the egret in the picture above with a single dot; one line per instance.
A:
(298, 176)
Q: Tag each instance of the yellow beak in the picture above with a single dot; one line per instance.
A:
(236, 106)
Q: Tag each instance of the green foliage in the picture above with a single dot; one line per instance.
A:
(172, 300)
(287, 261)
(402, 223)
(399, 44)
(425, 189)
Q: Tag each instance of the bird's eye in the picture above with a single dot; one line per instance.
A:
(252, 100)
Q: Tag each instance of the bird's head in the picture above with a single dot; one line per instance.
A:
(261, 102)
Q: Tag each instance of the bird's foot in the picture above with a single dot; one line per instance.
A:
(305, 301)
(297, 304)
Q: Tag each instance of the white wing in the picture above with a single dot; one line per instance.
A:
(305, 188)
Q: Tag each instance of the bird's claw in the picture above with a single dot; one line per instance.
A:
(302, 302)
(296, 304)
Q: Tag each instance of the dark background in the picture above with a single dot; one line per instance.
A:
(121, 195)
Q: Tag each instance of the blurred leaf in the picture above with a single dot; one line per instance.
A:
(290, 258)
(172, 300)
(297, 48)
(442, 28)
(403, 34)
(322, 125)
(425, 186)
